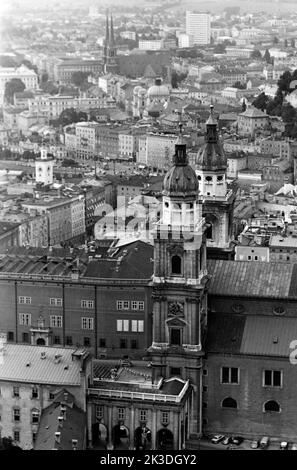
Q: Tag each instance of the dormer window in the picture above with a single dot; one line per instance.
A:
(176, 264)
(208, 179)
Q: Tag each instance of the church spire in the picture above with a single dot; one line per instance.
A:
(111, 30)
(211, 135)
(107, 30)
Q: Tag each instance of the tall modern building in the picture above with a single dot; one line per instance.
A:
(198, 27)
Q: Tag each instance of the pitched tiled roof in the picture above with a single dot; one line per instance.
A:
(74, 427)
(252, 279)
(23, 363)
(268, 336)
(253, 335)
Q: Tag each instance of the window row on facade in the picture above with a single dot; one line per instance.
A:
(84, 303)
(230, 403)
(271, 378)
(143, 414)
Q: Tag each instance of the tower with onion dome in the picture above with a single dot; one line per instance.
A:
(179, 288)
(217, 198)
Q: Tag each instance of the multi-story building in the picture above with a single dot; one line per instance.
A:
(155, 150)
(277, 148)
(27, 76)
(52, 106)
(198, 26)
(31, 377)
(65, 68)
(66, 216)
(251, 121)
(240, 52)
(150, 44)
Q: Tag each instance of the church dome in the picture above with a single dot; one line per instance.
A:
(158, 90)
(211, 156)
(181, 179)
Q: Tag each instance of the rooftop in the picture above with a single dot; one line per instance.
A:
(39, 364)
(254, 335)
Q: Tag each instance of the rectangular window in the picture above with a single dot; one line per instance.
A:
(99, 411)
(24, 300)
(272, 378)
(137, 305)
(25, 337)
(16, 436)
(122, 325)
(34, 392)
(56, 321)
(121, 414)
(134, 344)
(16, 392)
(143, 415)
(102, 343)
(165, 417)
(230, 375)
(123, 305)
(16, 414)
(87, 303)
(57, 340)
(123, 343)
(25, 319)
(51, 396)
(175, 371)
(35, 417)
(87, 341)
(10, 336)
(137, 326)
(69, 340)
(87, 323)
(54, 302)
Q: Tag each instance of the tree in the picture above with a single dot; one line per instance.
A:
(6, 443)
(288, 113)
(14, 85)
(79, 78)
(284, 82)
(243, 106)
(261, 101)
(49, 87)
(70, 115)
(256, 54)
(44, 78)
(69, 162)
(220, 49)
(267, 56)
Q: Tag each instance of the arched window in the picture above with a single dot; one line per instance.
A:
(176, 264)
(229, 403)
(272, 405)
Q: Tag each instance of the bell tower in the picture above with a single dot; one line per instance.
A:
(216, 198)
(110, 51)
(180, 283)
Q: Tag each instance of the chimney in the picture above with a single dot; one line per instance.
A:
(63, 411)
(60, 419)
(43, 355)
(65, 397)
(58, 437)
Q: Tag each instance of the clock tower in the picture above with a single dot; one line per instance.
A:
(180, 284)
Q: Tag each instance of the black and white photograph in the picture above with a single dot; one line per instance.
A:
(148, 229)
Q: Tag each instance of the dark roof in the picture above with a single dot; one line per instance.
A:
(225, 332)
(74, 427)
(252, 279)
(7, 227)
(133, 261)
(253, 335)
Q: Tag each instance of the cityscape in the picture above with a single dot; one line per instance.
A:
(148, 225)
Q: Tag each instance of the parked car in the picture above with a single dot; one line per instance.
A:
(237, 440)
(264, 443)
(227, 440)
(217, 438)
(255, 444)
(294, 446)
(284, 445)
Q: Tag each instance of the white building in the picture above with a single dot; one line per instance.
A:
(28, 77)
(156, 150)
(52, 106)
(30, 379)
(44, 168)
(150, 44)
(198, 26)
(185, 40)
